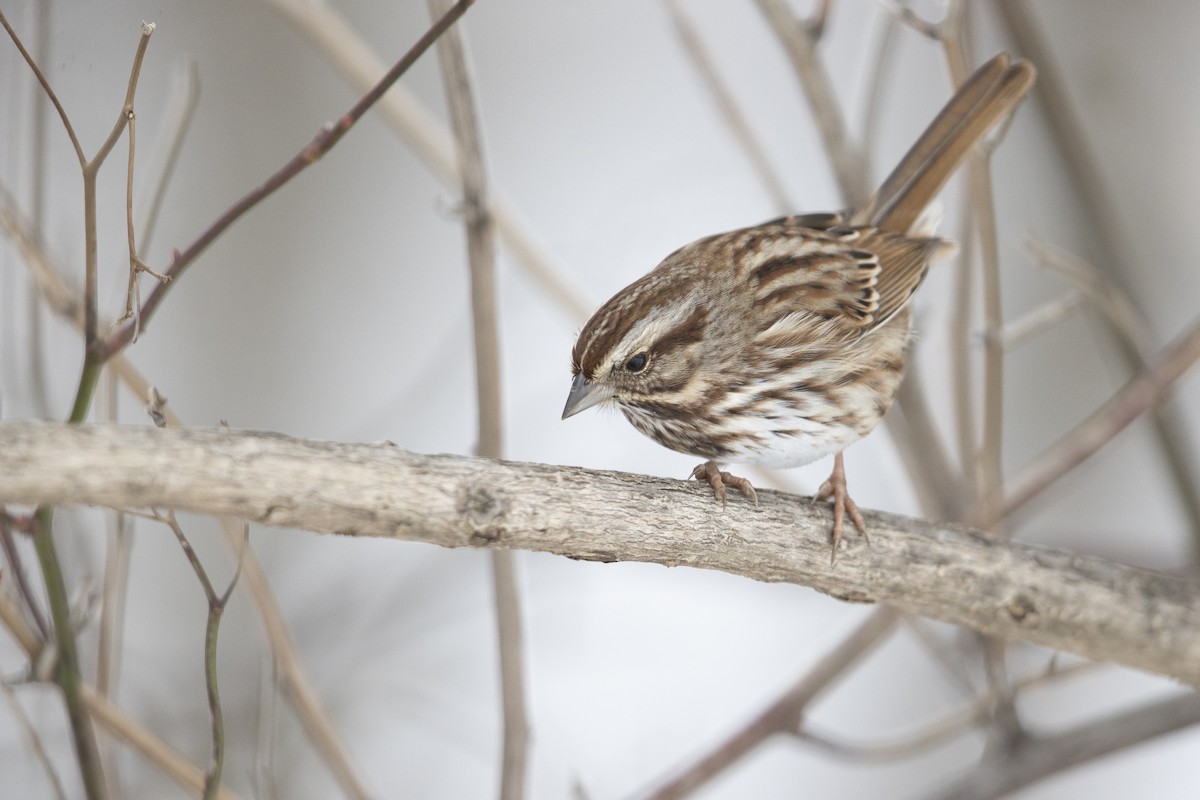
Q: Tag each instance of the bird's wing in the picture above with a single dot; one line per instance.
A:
(841, 282)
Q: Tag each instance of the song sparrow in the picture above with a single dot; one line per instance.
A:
(782, 343)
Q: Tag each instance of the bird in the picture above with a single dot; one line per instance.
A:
(785, 342)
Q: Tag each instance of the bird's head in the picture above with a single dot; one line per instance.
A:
(642, 346)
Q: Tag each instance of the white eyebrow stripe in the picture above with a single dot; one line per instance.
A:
(653, 326)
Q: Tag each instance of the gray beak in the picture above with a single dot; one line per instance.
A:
(584, 395)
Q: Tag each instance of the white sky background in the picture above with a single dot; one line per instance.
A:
(338, 309)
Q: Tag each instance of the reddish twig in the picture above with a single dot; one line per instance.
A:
(322, 143)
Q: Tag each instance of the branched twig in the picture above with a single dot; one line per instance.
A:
(816, 21)
(937, 733)
(216, 607)
(108, 716)
(294, 680)
(1075, 153)
(1041, 756)
(800, 45)
(1115, 304)
(906, 16)
(359, 65)
(67, 668)
(313, 151)
(786, 713)
(136, 265)
(728, 108)
(1136, 397)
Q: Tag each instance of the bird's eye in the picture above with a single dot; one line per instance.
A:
(637, 363)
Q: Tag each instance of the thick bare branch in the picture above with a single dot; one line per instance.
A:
(1096, 608)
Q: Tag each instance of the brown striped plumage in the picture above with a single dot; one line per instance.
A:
(784, 342)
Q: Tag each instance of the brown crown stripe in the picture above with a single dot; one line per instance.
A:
(690, 331)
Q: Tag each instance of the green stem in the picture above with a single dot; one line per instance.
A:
(212, 784)
(88, 379)
(67, 662)
(66, 668)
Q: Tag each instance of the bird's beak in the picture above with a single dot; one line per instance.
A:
(584, 395)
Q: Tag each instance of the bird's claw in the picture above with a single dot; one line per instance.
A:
(711, 472)
(835, 488)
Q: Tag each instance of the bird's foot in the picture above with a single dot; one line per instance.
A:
(711, 471)
(835, 488)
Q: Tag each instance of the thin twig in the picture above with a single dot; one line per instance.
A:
(1076, 154)
(136, 265)
(939, 732)
(1115, 304)
(906, 16)
(322, 143)
(728, 108)
(16, 570)
(184, 97)
(216, 608)
(785, 714)
(114, 593)
(882, 50)
(45, 84)
(91, 170)
(297, 687)
(34, 738)
(294, 680)
(66, 668)
(173, 764)
(1133, 399)
(1041, 756)
(982, 207)
(353, 57)
(111, 718)
(38, 383)
(1017, 332)
(798, 41)
(816, 21)
(1005, 729)
(962, 365)
(481, 255)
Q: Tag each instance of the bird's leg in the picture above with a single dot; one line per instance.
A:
(718, 480)
(835, 488)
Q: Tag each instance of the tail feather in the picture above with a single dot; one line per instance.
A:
(986, 98)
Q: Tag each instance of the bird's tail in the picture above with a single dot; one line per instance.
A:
(986, 98)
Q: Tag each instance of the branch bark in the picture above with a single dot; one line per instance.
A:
(1086, 605)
